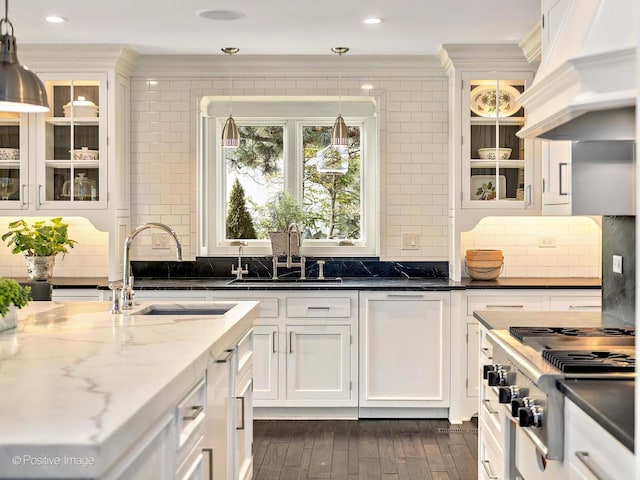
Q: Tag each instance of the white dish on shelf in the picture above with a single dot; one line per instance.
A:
(85, 154)
(9, 154)
(483, 100)
(477, 181)
(81, 108)
(490, 153)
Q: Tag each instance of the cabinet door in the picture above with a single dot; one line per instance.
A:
(496, 164)
(556, 158)
(71, 151)
(243, 430)
(218, 428)
(473, 352)
(318, 362)
(265, 363)
(14, 158)
(404, 344)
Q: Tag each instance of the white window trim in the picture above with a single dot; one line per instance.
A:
(211, 211)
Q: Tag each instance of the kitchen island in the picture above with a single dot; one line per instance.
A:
(81, 387)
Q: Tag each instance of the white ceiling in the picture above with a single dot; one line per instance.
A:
(276, 27)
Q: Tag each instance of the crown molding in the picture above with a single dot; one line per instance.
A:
(482, 56)
(531, 44)
(61, 57)
(288, 65)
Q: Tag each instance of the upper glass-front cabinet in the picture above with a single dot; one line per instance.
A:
(13, 159)
(496, 163)
(71, 162)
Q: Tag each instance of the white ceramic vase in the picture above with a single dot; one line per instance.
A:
(10, 319)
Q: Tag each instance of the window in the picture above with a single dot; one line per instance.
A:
(284, 152)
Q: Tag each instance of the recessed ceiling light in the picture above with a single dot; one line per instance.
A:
(220, 14)
(55, 19)
(366, 86)
(372, 21)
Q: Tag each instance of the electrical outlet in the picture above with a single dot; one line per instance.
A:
(159, 240)
(617, 263)
(546, 242)
(410, 241)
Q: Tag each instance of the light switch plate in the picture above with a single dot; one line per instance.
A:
(410, 241)
(617, 263)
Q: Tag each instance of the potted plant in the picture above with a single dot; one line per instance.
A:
(282, 213)
(39, 242)
(12, 297)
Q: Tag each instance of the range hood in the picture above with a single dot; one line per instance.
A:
(586, 85)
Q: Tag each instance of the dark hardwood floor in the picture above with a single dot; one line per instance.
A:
(364, 449)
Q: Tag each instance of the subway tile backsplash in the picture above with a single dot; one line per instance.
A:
(576, 252)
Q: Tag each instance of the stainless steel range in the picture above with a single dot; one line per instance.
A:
(528, 361)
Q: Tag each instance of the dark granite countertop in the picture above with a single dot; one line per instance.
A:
(608, 402)
(69, 282)
(354, 283)
(502, 320)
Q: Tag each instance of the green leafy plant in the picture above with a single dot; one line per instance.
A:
(12, 293)
(41, 239)
(283, 211)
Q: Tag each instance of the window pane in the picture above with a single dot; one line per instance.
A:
(254, 172)
(331, 184)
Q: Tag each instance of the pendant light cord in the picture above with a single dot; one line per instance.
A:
(5, 21)
(230, 84)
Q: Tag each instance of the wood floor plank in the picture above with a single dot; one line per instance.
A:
(340, 464)
(369, 469)
(464, 461)
(321, 454)
(418, 469)
(371, 449)
(412, 445)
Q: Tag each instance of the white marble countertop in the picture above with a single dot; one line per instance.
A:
(80, 382)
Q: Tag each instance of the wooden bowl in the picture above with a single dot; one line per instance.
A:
(484, 264)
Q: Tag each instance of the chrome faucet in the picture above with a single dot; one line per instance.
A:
(238, 272)
(293, 228)
(127, 278)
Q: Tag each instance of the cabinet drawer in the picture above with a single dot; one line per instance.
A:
(575, 304)
(339, 307)
(491, 459)
(190, 413)
(486, 347)
(516, 303)
(192, 467)
(244, 353)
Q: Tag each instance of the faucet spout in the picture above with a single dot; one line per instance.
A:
(127, 278)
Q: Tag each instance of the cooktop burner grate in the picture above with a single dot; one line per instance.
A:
(584, 361)
(521, 332)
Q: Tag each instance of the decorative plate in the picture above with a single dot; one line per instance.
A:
(483, 100)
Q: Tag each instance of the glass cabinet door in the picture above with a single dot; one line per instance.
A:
(72, 160)
(13, 160)
(496, 161)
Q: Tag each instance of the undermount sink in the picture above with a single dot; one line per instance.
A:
(287, 281)
(184, 309)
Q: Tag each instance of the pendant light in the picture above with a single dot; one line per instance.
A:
(230, 134)
(339, 133)
(20, 89)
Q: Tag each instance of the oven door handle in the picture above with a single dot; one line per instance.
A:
(595, 470)
(486, 402)
(487, 470)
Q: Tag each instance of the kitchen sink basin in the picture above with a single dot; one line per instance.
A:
(284, 281)
(184, 309)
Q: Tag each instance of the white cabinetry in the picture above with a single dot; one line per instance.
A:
(229, 429)
(58, 178)
(14, 160)
(404, 354)
(556, 177)
(592, 453)
(75, 295)
(306, 362)
(484, 83)
(464, 347)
